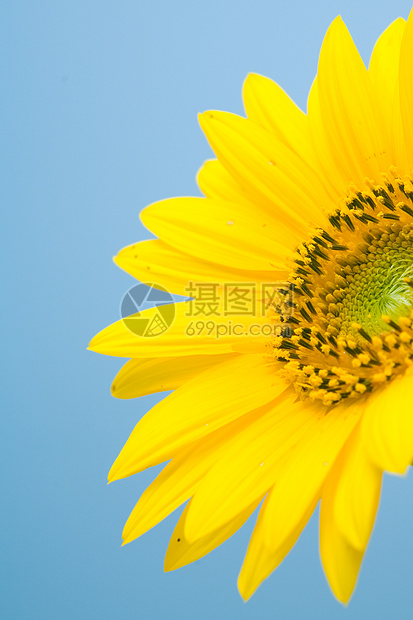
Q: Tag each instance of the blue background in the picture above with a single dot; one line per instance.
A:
(99, 103)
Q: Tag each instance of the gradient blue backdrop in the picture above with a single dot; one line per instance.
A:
(99, 103)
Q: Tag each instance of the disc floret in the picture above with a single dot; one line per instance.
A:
(352, 282)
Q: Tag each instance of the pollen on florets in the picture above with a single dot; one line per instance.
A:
(352, 285)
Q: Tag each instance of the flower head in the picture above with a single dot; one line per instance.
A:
(306, 394)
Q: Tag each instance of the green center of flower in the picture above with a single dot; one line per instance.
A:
(377, 281)
(352, 284)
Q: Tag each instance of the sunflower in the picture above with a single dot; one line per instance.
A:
(309, 398)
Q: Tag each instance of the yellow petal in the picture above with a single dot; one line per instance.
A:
(180, 552)
(274, 176)
(222, 231)
(353, 126)
(384, 74)
(216, 182)
(307, 467)
(215, 336)
(388, 425)
(139, 377)
(340, 560)
(406, 87)
(384, 65)
(270, 107)
(208, 401)
(156, 262)
(180, 478)
(260, 561)
(334, 176)
(251, 346)
(252, 462)
(357, 493)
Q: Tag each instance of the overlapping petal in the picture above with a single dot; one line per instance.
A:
(272, 174)
(160, 374)
(156, 262)
(221, 231)
(261, 560)
(181, 552)
(302, 479)
(251, 464)
(205, 403)
(388, 425)
(181, 477)
(406, 88)
(119, 340)
(270, 107)
(216, 182)
(341, 561)
(357, 492)
(384, 73)
(351, 119)
(334, 175)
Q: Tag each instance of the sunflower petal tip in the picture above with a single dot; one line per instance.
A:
(206, 116)
(251, 84)
(92, 344)
(111, 476)
(344, 599)
(337, 24)
(251, 77)
(343, 592)
(245, 590)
